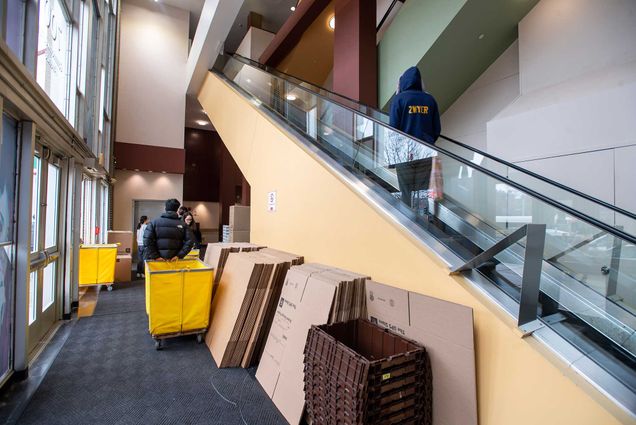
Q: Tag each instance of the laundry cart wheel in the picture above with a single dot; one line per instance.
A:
(158, 344)
(199, 338)
(109, 287)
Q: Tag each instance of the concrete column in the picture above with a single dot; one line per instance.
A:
(355, 54)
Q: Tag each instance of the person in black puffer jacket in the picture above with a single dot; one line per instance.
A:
(167, 237)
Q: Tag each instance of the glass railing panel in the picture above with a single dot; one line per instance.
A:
(469, 203)
(604, 212)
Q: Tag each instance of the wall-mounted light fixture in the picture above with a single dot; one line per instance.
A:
(332, 22)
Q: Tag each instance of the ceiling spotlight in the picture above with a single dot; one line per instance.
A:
(201, 122)
(293, 8)
(291, 97)
(332, 22)
(481, 36)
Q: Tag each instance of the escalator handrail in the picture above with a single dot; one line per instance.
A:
(585, 196)
(300, 81)
(515, 167)
(556, 204)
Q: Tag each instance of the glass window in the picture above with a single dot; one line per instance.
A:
(48, 285)
(102, 94)
(15, 19)
(53, 54)
(52, 206)
(35, 204)
(84, 41)
(88, 208)
(33, 296)
(104, 212)
(8, 147)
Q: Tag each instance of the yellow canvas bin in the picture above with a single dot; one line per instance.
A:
(178, 296)
(97, 264)
(192, 255)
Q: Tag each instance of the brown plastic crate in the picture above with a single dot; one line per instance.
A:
(357, 372)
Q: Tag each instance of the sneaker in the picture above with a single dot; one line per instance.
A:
(139, 275)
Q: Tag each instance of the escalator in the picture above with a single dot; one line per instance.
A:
(586, 275)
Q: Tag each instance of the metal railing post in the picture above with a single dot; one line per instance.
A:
(530, 284)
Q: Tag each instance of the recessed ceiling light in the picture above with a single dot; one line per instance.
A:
(249, 80)
(201, 122)
(481, 36)
(291, 97)
(164, 172)
(137, 169)
(293, 8)
(332, 22)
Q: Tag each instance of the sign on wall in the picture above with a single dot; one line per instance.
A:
(271, 201)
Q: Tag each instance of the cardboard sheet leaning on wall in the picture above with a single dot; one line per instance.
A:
(446, 330)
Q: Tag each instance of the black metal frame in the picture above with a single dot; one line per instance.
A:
(527, 319)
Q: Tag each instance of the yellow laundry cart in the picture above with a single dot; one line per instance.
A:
(178, 297)
(97, 265)
(193, 255)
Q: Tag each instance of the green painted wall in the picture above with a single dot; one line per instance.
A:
(452, 43)
(411, 34)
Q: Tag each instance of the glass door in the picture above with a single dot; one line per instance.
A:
(44, 284)
(8, 155)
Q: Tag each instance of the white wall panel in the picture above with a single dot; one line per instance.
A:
(152, 69)
(563, 39)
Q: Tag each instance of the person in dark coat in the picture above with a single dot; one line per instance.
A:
(167, 237)
(413, 110)
(188, 219)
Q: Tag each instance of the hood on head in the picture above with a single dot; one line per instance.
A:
(411, 80)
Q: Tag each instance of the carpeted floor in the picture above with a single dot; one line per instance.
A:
(108, 372)
(124, 298)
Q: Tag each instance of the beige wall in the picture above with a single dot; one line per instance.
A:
(322, 218)
(152, 71)
(254, 43)
(132, 186)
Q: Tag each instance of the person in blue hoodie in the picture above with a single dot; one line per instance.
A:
(414, 111)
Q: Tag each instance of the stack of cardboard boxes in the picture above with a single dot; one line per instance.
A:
(263, 309)
(313, 294)
(123, 265)
(239, 227)
(244, 305)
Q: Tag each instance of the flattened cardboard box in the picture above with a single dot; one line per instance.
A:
(311, 294)
(291, 295)
(446, 330)
(313, 309)
(226, 305)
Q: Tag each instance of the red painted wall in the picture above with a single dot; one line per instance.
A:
(211, 175)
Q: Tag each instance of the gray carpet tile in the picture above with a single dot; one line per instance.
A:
(124, 298)
(108, 372)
